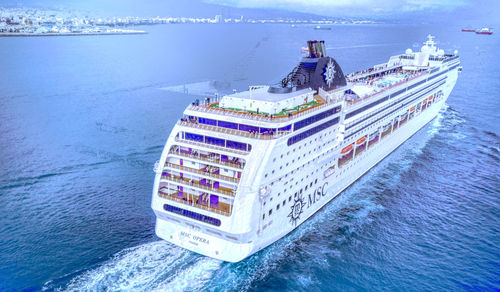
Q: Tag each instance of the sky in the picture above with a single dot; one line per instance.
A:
(348, 7)
(467, 11)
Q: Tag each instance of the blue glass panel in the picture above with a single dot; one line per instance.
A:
(207, 121)
(215, 141)
(248, 128)
(267, 130)
(312, 131)
(194, 137)
(228, 125)
(308, 121)
(192, 215)
(236, 145)
(286, 128)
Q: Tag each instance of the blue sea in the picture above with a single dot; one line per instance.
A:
(83, 119)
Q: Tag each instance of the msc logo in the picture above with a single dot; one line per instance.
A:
(299, 204)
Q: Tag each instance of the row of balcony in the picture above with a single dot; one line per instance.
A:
(206, 173)
(208, 158)
(194, 201)
(197, 184)
(254, 135)
(211, 146)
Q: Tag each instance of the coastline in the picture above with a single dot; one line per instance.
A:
(22, 34)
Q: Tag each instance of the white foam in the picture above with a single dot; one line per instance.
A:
(140, 268)
(193, 278)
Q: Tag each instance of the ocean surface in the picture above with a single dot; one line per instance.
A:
(83, 119)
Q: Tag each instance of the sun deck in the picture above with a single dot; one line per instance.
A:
(287, 115)
(365, 87)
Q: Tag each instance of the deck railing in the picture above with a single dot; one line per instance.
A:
(259, 117)
(195, 183)
(247, 134)
(224, 209)
(208, 159)
(206, 145)
(206, 173)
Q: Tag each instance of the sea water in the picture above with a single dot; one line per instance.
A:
(83, 119)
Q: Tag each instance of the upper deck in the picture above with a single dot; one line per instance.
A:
(265, 112)
(365, 87)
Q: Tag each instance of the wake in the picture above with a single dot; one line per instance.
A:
(152, 266)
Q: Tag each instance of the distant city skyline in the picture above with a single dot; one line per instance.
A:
(447, 11)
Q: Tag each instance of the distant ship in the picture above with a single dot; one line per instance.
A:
(239, 173)
(484, 30)
(468, 30)
(322, 27)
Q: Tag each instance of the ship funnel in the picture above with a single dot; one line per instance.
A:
(316, 49)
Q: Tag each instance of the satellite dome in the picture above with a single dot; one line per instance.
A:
(408, 51)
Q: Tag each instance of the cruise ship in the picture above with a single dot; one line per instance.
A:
(240, 172)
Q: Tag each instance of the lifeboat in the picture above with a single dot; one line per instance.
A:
(361, 140)
(424, 101)
(346, 149)
(412, 109)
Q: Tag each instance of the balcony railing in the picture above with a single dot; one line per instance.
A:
(254, 135)
(206, 173)
(194, 183)
(222, 208)
(215, 160)
(205, 145)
